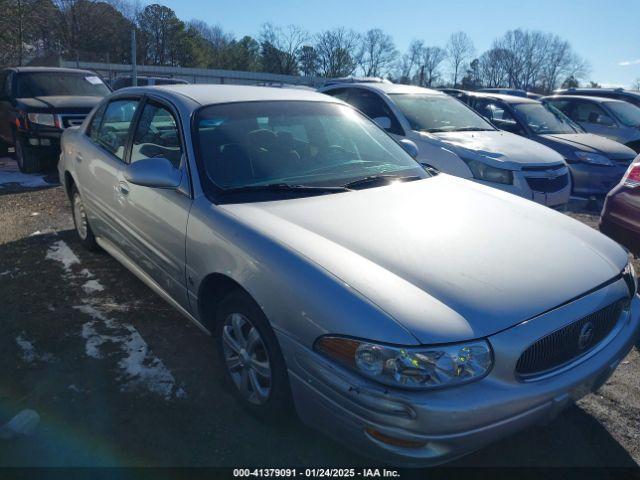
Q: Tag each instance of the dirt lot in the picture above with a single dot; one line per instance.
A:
(118, 378)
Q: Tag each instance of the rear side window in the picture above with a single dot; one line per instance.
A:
(114, 129)
(94, 125)
(157, 135)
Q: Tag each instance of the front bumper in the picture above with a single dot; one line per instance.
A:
(595, 179)
(450, 423)
(521, 188)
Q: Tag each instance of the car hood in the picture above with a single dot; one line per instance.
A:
(448, 259)
(589, 142)
(503, 147)
(61, 102)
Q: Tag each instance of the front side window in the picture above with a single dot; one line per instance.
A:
(628, 114)
(373, 107)
(115, 125)
(94, 126)
(312, 144)
(438, 113)
(543, 119)
(587, 112)
(157, 135)
(47, 84)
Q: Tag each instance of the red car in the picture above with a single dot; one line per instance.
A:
(620, 217)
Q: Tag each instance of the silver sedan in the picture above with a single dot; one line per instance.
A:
(414, 317)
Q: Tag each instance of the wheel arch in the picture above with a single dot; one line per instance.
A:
(213, 289)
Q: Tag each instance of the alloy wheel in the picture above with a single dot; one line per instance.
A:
(80, 217)
(246, 359)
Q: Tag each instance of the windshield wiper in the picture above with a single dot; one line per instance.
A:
(285, 187)
(472, 129)
(379, 179)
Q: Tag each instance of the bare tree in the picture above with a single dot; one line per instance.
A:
(460, 50)
(377, 53)
(281, 47)
(410, 61)
(337, 52)
(432, 58)
(492, 66)
(636, 84)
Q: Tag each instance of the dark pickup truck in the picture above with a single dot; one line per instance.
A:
(37, 104)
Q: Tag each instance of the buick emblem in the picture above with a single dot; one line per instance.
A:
(586, 336)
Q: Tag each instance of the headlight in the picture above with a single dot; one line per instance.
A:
(594, 158)
(482, 171)
(45, 119)
(629, 276)
(411, 367)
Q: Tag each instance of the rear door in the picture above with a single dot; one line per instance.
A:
(100, 162)
(155, 219)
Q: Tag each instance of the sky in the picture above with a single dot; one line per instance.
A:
(605, 33)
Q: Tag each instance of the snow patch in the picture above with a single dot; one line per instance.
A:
(29, 353)
(92, 286)
(60, 252)
(139, 367)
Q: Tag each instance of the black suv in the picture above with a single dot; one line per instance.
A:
(37, 104)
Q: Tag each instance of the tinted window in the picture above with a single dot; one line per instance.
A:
(438, 113)
(157, 135)
(373, 107)
(297, 143)
(45, 84)
(114, 129)
(588, 112)
(341, 93)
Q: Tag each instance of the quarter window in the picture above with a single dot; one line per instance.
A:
(157, 135)
(114, 129)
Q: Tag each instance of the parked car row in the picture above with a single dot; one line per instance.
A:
(411, 315)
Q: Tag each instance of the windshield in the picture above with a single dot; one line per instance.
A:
(48, 84)
(628, 114)
(543, 119)
(294, 143)
(438, 113)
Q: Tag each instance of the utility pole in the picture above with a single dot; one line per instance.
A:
(134, 66)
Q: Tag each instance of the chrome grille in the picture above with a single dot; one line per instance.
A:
(570, 342)
(71, 120)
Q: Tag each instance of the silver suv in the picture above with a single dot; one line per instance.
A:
(454, 139)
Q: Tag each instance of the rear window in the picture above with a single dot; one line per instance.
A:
(47, 84)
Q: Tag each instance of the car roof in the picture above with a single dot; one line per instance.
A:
(584, 97)
(385, 88)
(511, 99)
(206, 94)
(50, 70)
(578, 91)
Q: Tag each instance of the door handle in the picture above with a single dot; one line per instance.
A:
(123, 189)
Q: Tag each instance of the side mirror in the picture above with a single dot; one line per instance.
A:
(383, 122)
(409, 147)
(153, 172)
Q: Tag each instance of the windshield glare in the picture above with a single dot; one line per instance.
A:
(543, 119)
(45, 84)
(438, 113)
(294, 143)
(628, 114)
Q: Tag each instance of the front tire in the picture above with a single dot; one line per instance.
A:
(251, 357)
(28, 160)
(81, 222)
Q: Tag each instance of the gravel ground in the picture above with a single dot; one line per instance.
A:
(118, 378)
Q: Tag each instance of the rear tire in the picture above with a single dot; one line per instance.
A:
(28, 160)
(81, 222)
(251, 358)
